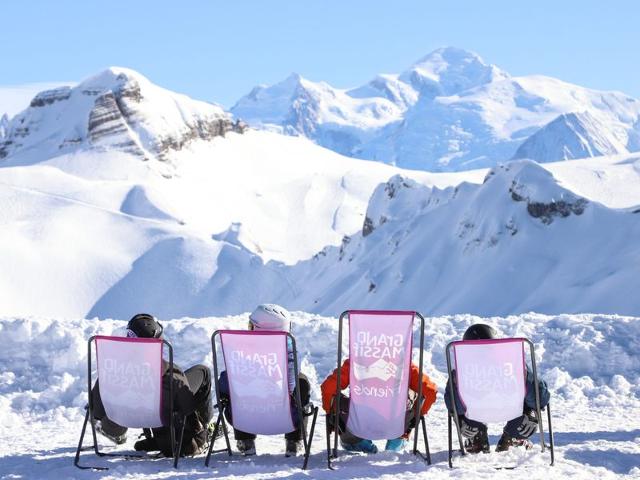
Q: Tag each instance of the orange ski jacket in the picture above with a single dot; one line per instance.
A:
(329, 389)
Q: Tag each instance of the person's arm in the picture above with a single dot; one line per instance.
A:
(329, 386)
(291, 373)
(429, 389)
(530, 398)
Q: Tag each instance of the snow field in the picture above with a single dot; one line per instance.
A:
(589, 361)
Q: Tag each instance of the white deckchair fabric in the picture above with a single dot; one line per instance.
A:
(380, 345)
(256, 363)
(130, 376)
(491, 376)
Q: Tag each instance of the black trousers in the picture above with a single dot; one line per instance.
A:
(296, 435)
(199, 378)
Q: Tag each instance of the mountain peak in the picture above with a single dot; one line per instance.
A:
(450, 70)
(571, 135)
(117, 108)
(451, 55)
(113, 78)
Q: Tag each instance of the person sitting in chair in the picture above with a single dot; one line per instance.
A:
(191, 398)
(517, 431)
(351, 442)
(269, 317)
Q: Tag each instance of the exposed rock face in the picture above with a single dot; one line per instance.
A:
(117, 110)
(108, 126)
(546, 211)
(392, 200)
(202, 129)
(545, 200)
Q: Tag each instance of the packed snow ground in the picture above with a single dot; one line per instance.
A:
(589, 361)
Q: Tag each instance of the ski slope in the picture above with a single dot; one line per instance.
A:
(589, 361)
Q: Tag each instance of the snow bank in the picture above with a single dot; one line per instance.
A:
(589, 361)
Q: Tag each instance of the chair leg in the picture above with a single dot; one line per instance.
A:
(426, 440)
(76, 461)
(310, 439)
(212, 441)
(226, 436)
(220, 423)
(550, 433)
(178, 446)
(328, 433)
(450, 442)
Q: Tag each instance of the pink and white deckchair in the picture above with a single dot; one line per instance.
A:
(130, 375)
(490, 376)
(257, 369)
(380, 349)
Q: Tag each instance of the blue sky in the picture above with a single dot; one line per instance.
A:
(219, 50)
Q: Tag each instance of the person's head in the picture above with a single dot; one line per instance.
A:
(270, 317)
(144, 325)
(480, 331)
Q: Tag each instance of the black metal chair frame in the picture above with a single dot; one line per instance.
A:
(453, 417)
(418, 420)
(177, 421)
(222, 406)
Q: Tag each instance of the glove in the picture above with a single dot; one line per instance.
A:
(528, 426)
(467, 431)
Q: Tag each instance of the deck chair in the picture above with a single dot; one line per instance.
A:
(380, 349)
(130, 375)
(491, 379)
(257, 369)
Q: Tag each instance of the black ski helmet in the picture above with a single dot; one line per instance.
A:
(144, 325)
(480, 331)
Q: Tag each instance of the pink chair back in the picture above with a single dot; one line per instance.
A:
(491, 376)
(380, 346)
(257, 365)
(130, 376)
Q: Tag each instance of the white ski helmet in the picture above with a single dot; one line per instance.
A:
(270, 317)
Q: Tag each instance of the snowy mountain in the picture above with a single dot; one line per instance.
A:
(518, 242)
(570, 136)
(153, 208)
(449, 111)
(15, 98)
(100, 230)
(116, 110)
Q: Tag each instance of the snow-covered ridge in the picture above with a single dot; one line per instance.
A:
(590, 363)
(518, 242)
(314, 235)
(571, 136)
(449, 111)
(118, 109)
